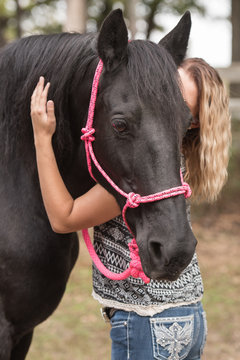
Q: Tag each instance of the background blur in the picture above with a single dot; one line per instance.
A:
(76, 330)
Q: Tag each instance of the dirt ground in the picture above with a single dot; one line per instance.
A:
(76, 330)
(219, 253)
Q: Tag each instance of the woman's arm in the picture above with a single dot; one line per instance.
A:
(65, 214)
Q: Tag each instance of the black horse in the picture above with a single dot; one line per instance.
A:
(140, 120)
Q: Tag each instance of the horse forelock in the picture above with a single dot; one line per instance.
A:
(154, 78)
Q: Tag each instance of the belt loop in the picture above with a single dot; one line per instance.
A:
(107, 313)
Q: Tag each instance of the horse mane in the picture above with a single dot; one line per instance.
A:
(154, 77)
(62, 59)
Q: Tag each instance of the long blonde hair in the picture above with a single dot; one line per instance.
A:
(206, 149)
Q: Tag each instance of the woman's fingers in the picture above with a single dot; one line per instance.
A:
(43, 96)
(37, 91)
(39, 96)
(42, 111)
(40, 86)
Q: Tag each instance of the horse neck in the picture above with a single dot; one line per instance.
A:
(74, 170)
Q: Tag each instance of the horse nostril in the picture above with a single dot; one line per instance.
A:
(157, 253)
(156, 250)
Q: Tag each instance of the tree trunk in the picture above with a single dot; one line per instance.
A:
(76, 15)
(235, 88)
(131, 14)
(18, 20)
(3, 25)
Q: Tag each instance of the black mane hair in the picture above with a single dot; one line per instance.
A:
(62, 59)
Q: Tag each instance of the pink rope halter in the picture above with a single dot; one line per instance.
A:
(133, 200)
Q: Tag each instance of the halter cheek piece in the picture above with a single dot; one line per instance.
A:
(133, 200)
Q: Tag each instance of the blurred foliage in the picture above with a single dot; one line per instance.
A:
(25, 17)
(148, 10)
(18, 17)
(155, 7)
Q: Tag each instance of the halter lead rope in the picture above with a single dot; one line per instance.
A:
(133, 200)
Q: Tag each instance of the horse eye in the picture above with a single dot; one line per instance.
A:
(119, 125)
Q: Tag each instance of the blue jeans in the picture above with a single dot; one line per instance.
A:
(174, 334)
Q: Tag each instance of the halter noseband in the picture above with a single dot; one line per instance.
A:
(133, 200)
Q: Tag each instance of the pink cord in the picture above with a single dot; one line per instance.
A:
(133, 200)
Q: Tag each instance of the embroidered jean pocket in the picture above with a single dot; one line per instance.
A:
(172, 337)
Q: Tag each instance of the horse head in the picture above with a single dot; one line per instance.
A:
(140, 120)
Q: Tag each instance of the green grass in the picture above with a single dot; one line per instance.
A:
(219, 254)
(76, 330)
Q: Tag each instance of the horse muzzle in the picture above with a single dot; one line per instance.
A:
(164, 237)
(166, 260)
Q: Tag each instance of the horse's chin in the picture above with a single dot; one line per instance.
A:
(166, 277)
(166, 274)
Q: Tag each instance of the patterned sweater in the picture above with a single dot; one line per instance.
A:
(111, 244)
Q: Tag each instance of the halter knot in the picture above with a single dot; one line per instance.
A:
(188, 191)
(87, 134)
(135, 265)
(133, 200)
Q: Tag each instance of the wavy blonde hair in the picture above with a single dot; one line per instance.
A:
(206, 149)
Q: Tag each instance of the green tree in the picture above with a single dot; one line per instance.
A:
(155, 7)
(18, 17)
(24, 17)
(98, 10)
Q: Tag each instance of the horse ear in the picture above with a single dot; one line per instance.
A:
(176, 41)
(113, 40)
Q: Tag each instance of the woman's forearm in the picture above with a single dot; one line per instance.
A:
(65, 213)
(57, 200)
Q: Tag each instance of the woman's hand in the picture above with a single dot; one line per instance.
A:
(42, 113)
(65, 214)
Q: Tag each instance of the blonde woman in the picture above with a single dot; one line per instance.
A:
(159, 320)
(206, 144)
